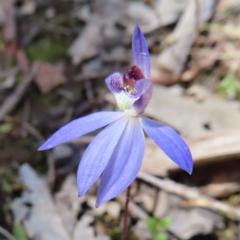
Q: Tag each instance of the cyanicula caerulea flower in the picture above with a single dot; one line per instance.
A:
(117, 151)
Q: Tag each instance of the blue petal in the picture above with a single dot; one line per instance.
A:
(115, 82)
(98, 153)
(170, 142)
(124, 164)
(79, 127)
(144, 88)
(140, 52)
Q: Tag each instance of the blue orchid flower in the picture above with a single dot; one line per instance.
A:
(117, 151)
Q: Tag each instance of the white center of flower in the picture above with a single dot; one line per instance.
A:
(126, 99)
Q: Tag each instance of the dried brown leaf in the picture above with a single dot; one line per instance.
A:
(85, 46)
(49, 77)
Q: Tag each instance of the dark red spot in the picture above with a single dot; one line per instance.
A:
(132, 75)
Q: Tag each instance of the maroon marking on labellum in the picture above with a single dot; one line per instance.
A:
(133, 74)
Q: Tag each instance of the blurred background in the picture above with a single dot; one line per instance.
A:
(54, 57)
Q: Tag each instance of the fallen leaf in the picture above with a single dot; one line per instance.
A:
(162, 204)
(220, 190)
(9, 31)
(141, 231)
(68, 203)
(29, 7)
(85, 46)
(43, 221)
(169, 11)
(158, 14)
(191, 117)
(213, 147)
(145, 197)
(84, 230)
(197, 221)
(8, 82)
(2, 15)
(112, 208)
(146, 17)
(173, 57)
(22, 60)
(49, 77)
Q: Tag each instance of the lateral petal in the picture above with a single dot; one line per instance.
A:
(79, 127)
(115, 82)
(98, 153)
(124, 164)
(140, 52)
(170, 142)
(144, 88)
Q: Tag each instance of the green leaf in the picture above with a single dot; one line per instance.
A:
(161, 236)
(1, 46)
(165, 222)
(19, 231)
(157, 226)
(5, 128)
(151, 225)
(229, 86)
(47, 50)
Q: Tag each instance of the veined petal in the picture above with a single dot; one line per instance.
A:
(124, 164)
(98, 153)
(79, 127)
(140, 52)
(115, 82)
(170, 142)
(144, 89)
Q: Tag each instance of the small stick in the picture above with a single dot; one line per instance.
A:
(6, 234)
(90, 76)
(12, 100)
(51, 171)
(51, 165)
(195, 197)
(125, 215)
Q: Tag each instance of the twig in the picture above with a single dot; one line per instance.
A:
(16, 96)
(33, 131)
(220, 190)
(51, 165)
(197, 17)
(9, 72)
(57, 29)
(6, 234)
(89, 91)
(207, 62)
(51, 170)
(90, 76)
(190, 194)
